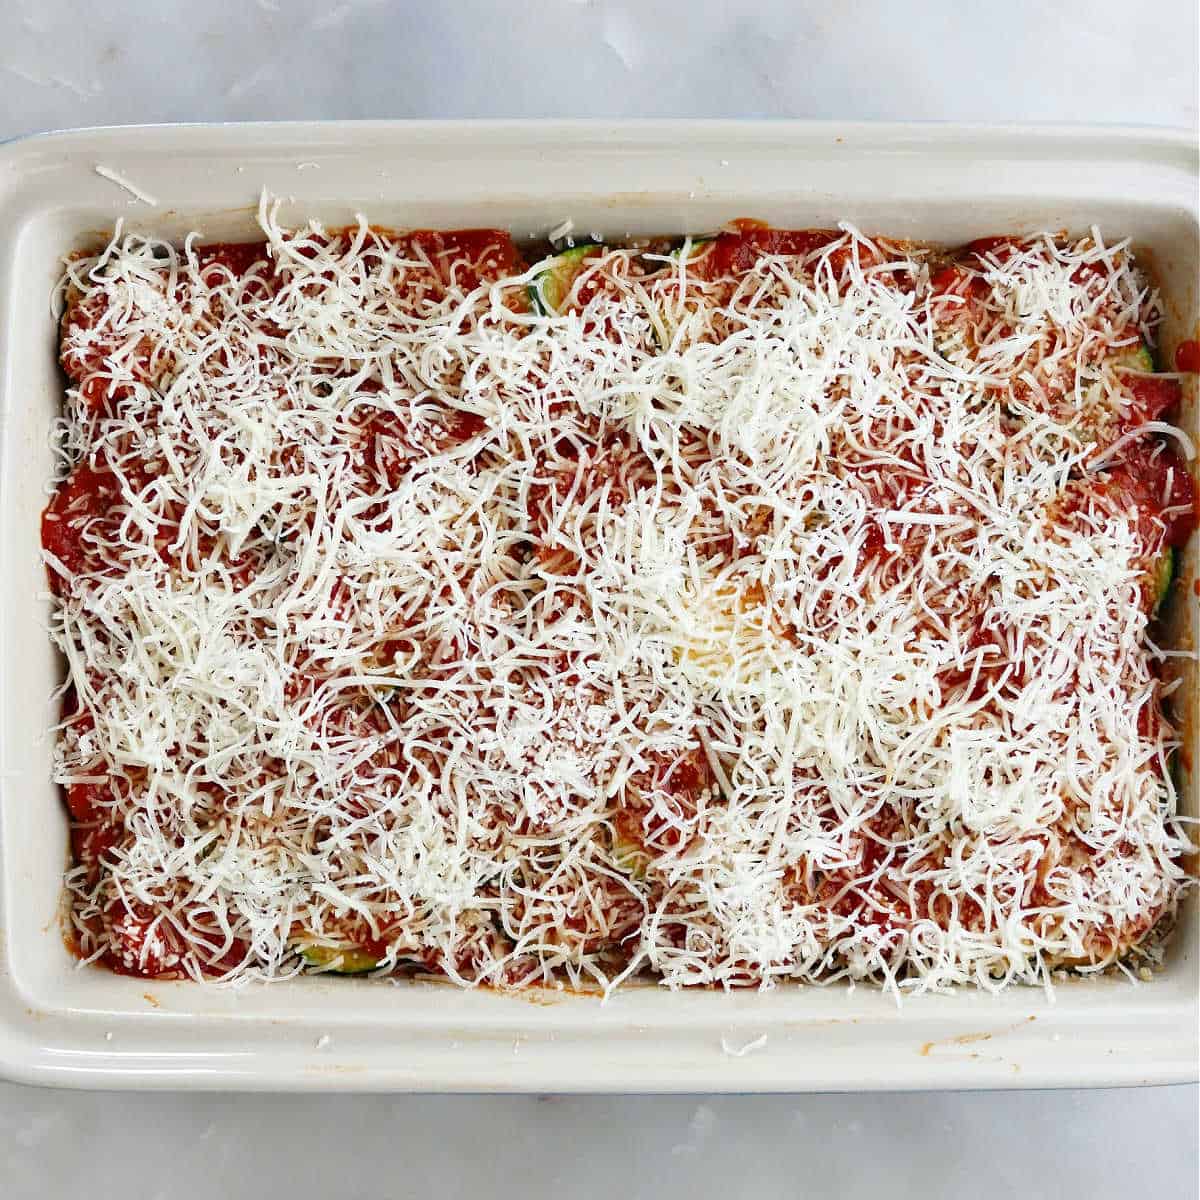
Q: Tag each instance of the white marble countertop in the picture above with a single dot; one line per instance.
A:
(65, 64)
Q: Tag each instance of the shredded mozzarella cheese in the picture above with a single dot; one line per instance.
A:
(728, 626)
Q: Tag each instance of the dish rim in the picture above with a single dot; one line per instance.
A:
(443, 1040)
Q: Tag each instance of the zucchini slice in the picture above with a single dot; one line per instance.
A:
(1139, 359)
(1164, 576)
(338, 960)
(630, 857)
(695, 248)
(556, 276)
(662, 327)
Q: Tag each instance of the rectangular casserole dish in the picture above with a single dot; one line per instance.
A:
(60, 1024)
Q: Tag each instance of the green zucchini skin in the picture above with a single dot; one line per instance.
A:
(1141, 359)
(1164, 575)
(695, 247)
(349, 960)
(630, 858)
(555, 276)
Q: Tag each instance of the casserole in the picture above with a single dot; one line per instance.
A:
(62, 1024)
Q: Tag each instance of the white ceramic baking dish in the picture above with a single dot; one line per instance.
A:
(66, 1025)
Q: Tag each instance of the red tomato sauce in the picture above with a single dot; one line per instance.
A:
(684, 781)
(149, 948)
(607, 466)
(736, 252)
(1153, 397)
(94, 830)
(491, 253)
(235, 257)
(958, 281)
(83, 354)
(84, 496)
(1156, 478)
(996, 249)
(1187, 356)
(475, 254)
